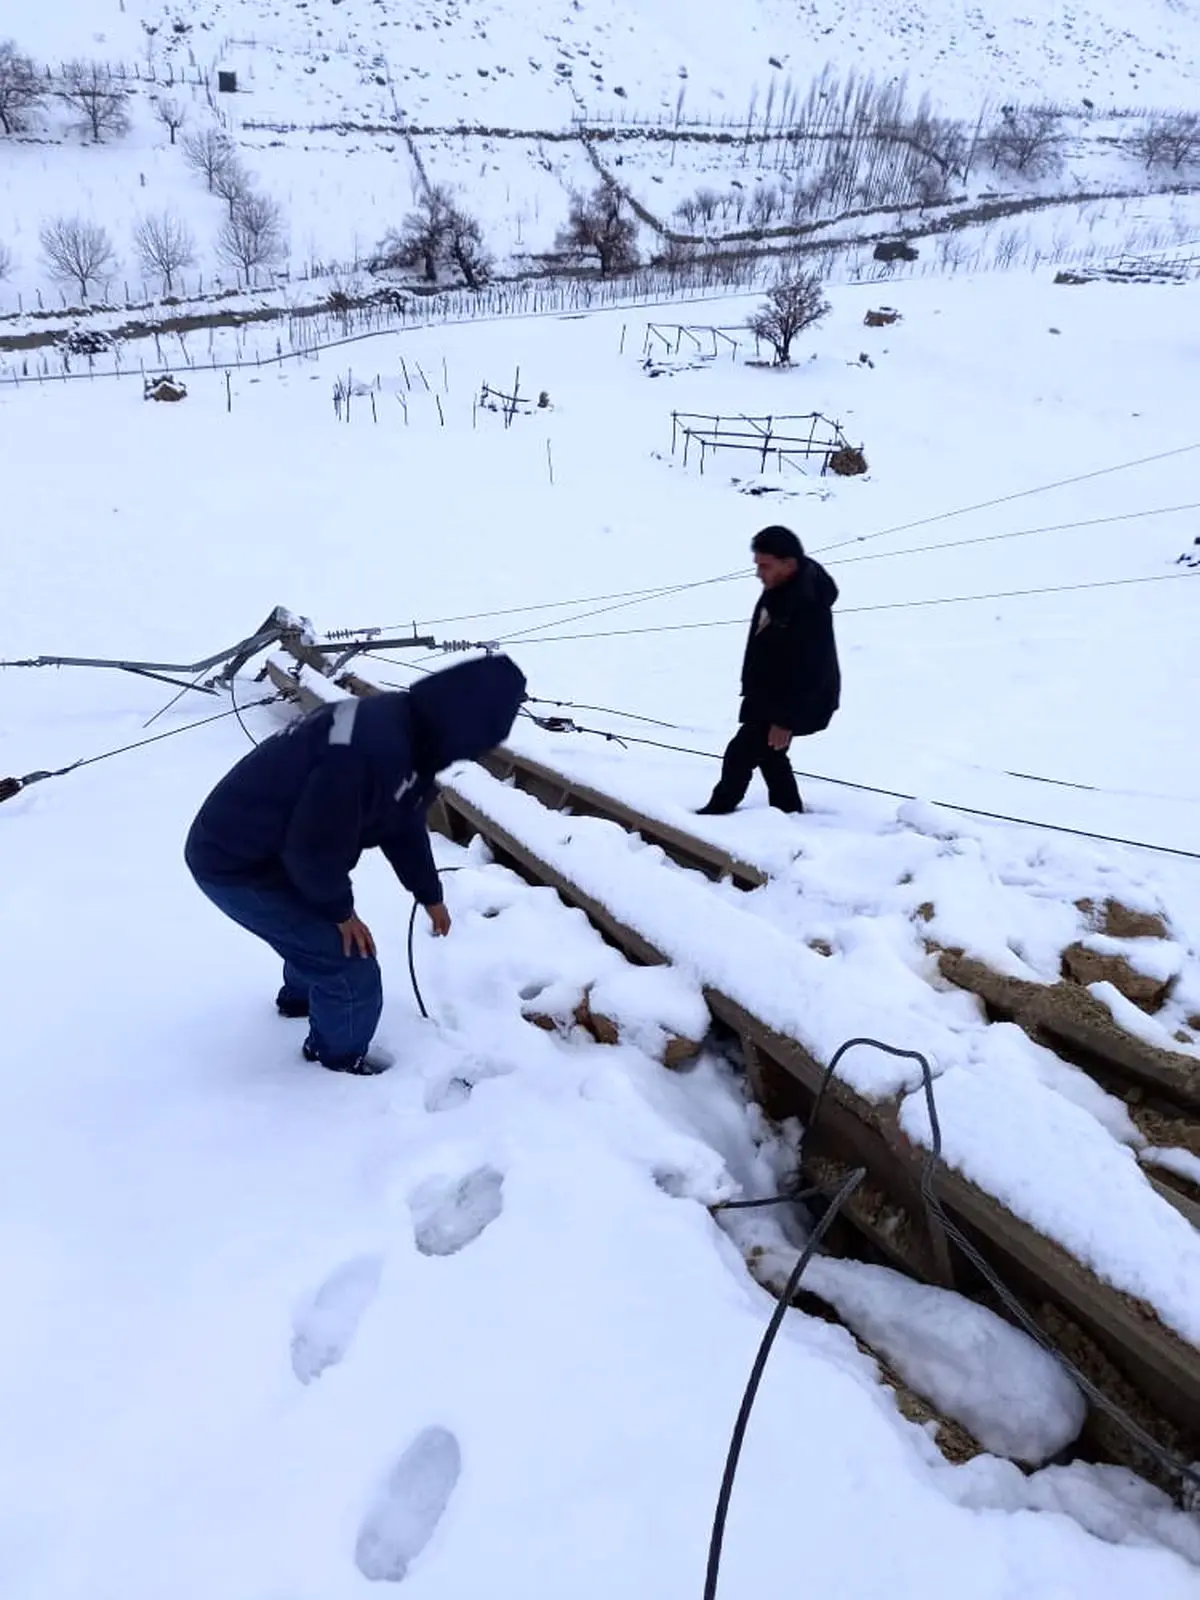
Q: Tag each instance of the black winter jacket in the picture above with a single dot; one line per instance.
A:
(790, 675)
(300, 809)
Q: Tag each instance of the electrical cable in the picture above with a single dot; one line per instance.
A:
(888, 605)
(238, 714)
(936, 1214)
(898, 794)
(1019, 533)
(716, 1542)
(1007, 499)
(13, 786)
(412, 959)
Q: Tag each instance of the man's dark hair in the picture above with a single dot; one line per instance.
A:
(777, 541)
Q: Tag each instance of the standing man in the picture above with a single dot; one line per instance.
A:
(791, 683)
(274, 844)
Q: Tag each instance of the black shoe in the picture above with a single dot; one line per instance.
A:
(712, 809)
(368, 1065)
(291, 1005)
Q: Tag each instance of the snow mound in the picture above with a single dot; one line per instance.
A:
(1008, 1392)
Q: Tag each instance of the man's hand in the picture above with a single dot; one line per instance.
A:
(357, 938)
(779, 738)
(439, 917)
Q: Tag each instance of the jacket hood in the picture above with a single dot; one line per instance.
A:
(465, 710)
(815, 584)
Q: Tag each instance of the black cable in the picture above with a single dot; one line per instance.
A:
(608, 711)
(13, 786)
(1019, 533)
(946, 805)
(1133, 1430)
(888, 605)
(237, 712)
(412, 960)
(557, 605)
(843, 1192)
(936, 1213)
(1007, 499)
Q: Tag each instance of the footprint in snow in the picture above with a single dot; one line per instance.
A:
(408, 1506)
(325, 1325)
(456, 1090)
(449, 1213)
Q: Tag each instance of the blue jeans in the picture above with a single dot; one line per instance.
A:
(344, 993)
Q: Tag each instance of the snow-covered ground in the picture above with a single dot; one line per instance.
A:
(273, 1335)
(265, 1326)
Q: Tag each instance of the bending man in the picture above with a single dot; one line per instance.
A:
(274, 844)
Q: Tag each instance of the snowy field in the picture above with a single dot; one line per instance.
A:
(274, 1335)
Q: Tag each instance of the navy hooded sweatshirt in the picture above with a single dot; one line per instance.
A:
(301, 808)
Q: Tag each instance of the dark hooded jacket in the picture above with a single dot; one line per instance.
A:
(790, 675)
(301, 808)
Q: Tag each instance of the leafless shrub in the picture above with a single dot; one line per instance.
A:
(252, 236)
(20, 88)
(90, 88)
(688, 212)
(707, 201)
(764, 207)
(1008, 247)
(164, 246)
(1026, 140)
(78, 252)
(1172, 141)
(208, 152)
(171, 113)
(790, 307)
(599, 224)
(6, 262)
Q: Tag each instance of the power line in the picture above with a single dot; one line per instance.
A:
(1007, 499)
(633, 596)
(897, 794)
(1020, 533)
(9, 787)
(889, 605)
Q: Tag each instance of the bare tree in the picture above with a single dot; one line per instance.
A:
(465, 248)
(232, 182)
(208, 152)
(164, 246)
(1170, 141)
(89, 88)
(438, 233)
(790, 307)
(171, 113)
(421, 239)
(252, 235)
(77, 251)
(707, 201)
(6, 262)
(599, 224)
(20, 88)
(1026, 140)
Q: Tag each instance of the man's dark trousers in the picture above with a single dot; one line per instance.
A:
(344, 993)
(748, 750)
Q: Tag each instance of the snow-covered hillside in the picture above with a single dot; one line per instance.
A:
(531, 65)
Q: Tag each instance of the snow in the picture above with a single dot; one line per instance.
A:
(270, 1333)
(1183, 1162)
(1027, 1409)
